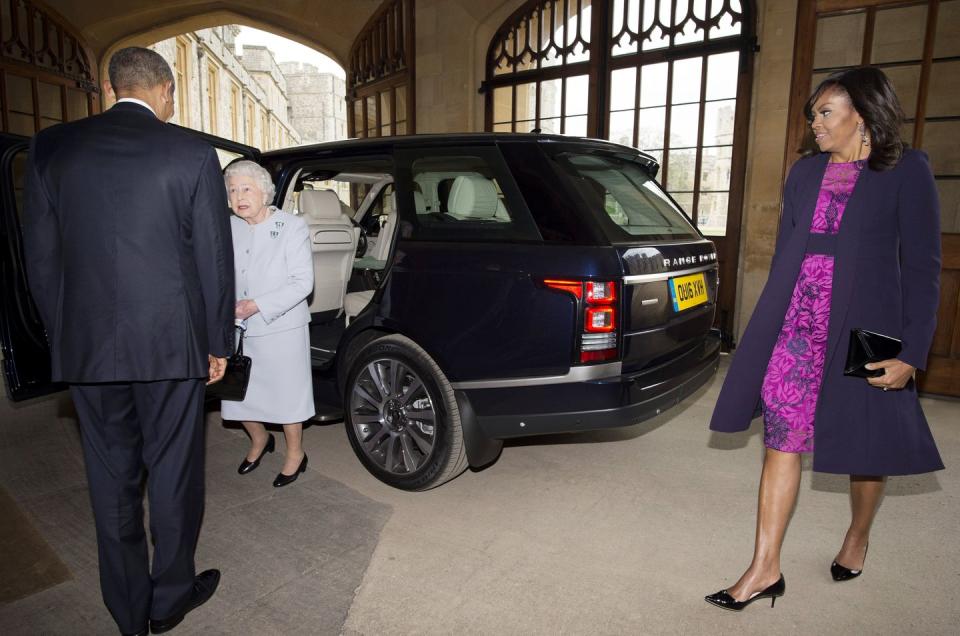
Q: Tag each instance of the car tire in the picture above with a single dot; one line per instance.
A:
(402, 418)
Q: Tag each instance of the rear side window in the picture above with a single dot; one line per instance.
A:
(556, 212)
(632, 205)
(467, 197)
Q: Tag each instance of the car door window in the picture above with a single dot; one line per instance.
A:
(227, 157)
(378, 213)
(635, 206)
(466, 196)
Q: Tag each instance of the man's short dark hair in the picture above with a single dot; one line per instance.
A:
(136, 67)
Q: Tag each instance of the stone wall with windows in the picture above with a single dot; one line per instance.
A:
(242, 98)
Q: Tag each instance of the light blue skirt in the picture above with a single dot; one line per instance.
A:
(281, 383)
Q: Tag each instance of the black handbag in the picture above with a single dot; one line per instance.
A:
(233, 386)
(867, 346)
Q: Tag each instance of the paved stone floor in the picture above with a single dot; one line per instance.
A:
(614, 532)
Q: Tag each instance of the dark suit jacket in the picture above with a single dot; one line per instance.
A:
(886, 279)
(127, 243)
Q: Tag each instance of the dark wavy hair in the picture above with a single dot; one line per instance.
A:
(872, 95)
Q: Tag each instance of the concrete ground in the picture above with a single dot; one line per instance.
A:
(615, 532)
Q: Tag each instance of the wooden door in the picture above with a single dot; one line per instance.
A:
(916, 44)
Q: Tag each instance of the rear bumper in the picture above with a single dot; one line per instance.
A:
(621, 400)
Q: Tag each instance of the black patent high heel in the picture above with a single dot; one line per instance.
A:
(723, 600)
(283, 480)
(248, 467)
(842, 573)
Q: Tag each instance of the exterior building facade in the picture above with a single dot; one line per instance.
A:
(317, 102)
(242, 98)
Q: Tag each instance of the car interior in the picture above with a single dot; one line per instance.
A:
(352, 216)
(459, 196)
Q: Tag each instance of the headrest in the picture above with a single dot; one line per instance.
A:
(419, 202)
(320, 205)
(473, 197)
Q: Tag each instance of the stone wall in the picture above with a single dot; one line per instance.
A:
(260, 63)
(317, 102)
(447, 80)
(773, 69)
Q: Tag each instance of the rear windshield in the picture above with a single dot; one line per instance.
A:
(631, 205)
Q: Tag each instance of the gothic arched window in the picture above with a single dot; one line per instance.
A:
(664, 76)
(380, 78)
(46, 73)
(671, 77)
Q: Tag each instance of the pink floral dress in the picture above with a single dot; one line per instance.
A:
(794, 374)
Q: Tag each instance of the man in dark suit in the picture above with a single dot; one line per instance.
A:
(129, 258)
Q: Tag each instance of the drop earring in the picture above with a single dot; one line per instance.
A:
(863, 136)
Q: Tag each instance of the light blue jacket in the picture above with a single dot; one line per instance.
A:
(274, 268)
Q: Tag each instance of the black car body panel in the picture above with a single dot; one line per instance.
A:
(26, 354)
(479, 310)
(618, 400)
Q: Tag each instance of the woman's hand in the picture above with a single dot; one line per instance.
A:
(895, 376)
(246, 308)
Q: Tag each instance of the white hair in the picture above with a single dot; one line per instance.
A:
(253, 170)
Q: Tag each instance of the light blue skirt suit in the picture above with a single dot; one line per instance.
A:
(274, 267)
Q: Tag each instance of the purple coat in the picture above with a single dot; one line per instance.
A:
(886, 279)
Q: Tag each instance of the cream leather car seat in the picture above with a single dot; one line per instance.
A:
(333, 241)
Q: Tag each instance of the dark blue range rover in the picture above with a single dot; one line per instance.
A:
(474, 288)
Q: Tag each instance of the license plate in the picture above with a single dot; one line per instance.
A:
(688, 291)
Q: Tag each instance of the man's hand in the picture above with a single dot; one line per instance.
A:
(218, 366)
(896, 374)
(246, 308)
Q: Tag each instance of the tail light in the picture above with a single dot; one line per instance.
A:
(597, 302)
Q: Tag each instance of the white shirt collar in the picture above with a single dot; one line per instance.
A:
(138, 101)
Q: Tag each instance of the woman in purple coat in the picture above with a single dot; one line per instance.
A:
(858, 247)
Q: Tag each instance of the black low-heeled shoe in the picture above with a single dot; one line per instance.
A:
(724, 601)
(284, 480)
(842, 573)
(248, 467)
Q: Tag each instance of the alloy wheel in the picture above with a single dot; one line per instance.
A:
(393, 416)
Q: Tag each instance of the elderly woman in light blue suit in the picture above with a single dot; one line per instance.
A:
(274, 274)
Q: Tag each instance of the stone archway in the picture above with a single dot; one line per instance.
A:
(250, 97)
(326, 26)
(215, 19)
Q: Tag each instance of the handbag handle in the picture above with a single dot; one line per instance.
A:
(242, 327)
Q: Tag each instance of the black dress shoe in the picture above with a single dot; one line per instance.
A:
(248, 467)
(283, 480)
(724, 601)
(842, 573)
(204, 585)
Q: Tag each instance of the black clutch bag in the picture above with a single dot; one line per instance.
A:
(867, 346)
(233, 386)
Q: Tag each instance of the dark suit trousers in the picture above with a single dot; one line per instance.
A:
(127, 429)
